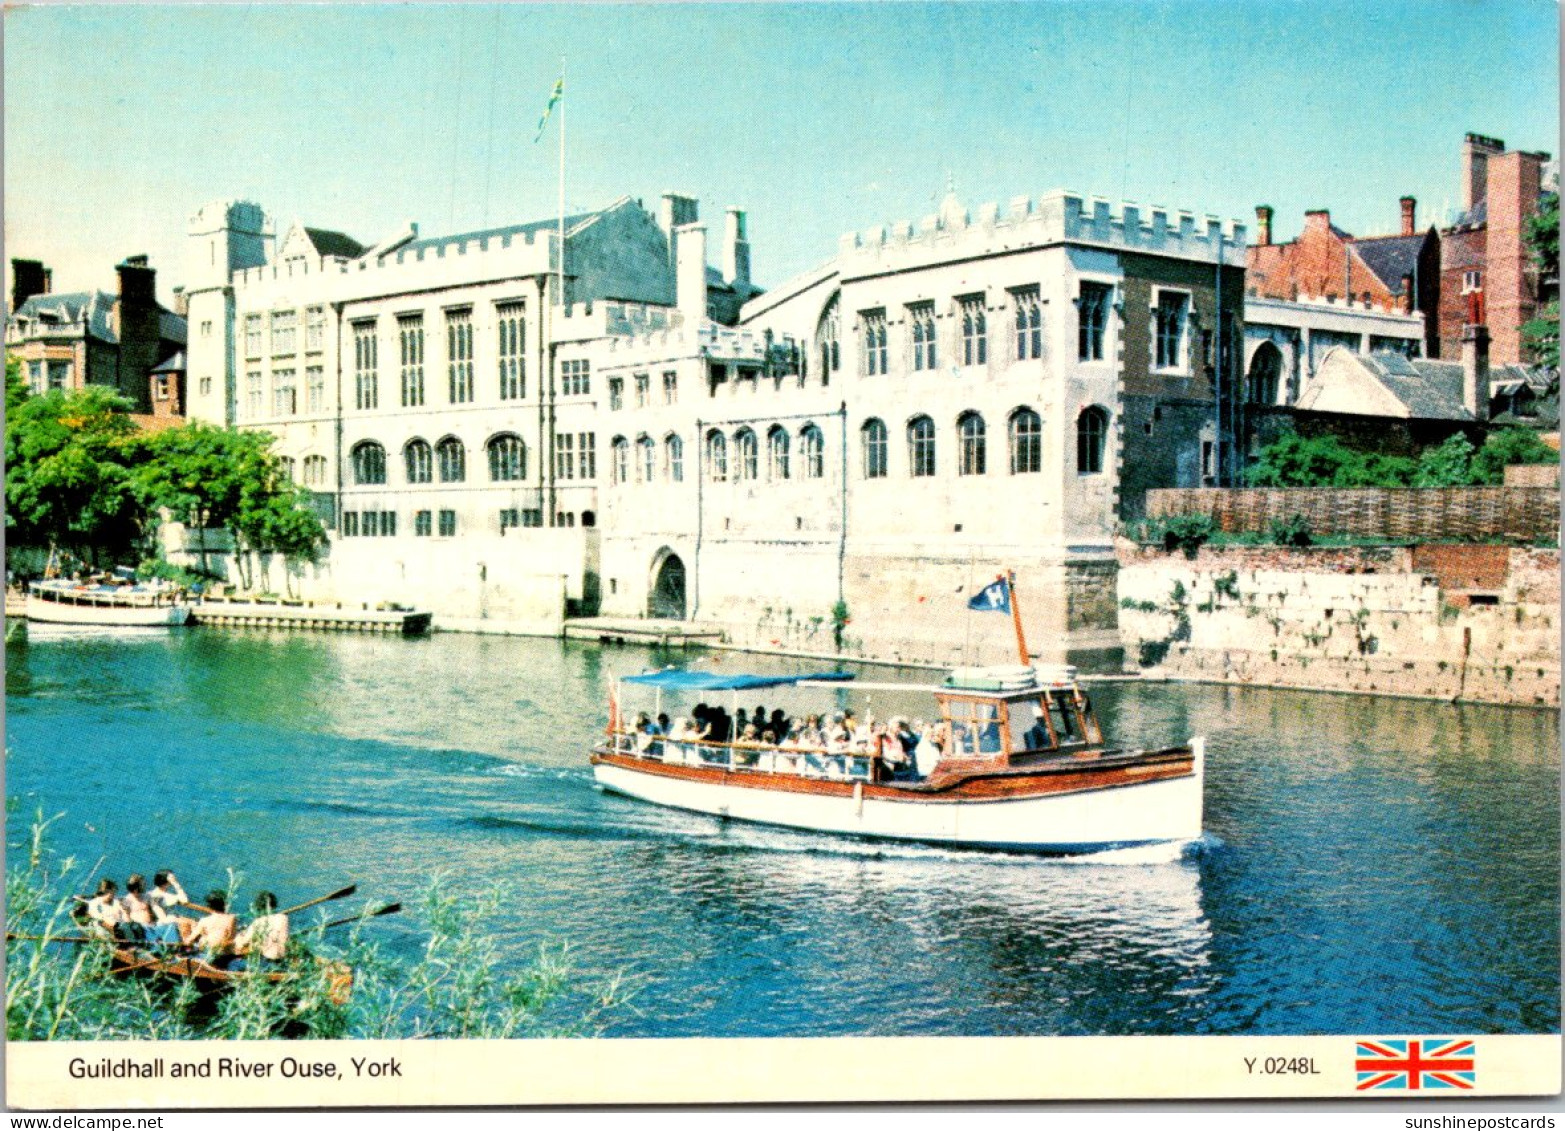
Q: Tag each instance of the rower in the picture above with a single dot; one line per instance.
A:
(166, 894)
(265, 941)
(105, 911)
(213, 935)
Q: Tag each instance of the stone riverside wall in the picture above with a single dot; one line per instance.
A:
(1478, 623)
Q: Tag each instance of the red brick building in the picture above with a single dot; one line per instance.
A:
(1486, 273)
(1397, 272)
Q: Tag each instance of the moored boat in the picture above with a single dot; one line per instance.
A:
(1019, 764)
(72, 602)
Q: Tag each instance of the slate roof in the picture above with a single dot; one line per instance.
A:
(328, 242)
(1431, 390)
(70, 308)
(1390, 257)
(715, 281)
(175, 364)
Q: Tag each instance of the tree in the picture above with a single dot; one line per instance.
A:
(280, 520)
(1325, 461)
(1446, 465)
(1505, 448)
(1542, 334)
(16, 390)
(70, 466)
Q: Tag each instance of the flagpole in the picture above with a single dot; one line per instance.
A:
(560, 264)
(1016, 616)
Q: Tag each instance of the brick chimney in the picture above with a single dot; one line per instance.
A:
(1263, 225)
(1317, 220)
(29, 277)
(1409, 215)
(1409, 299)
(1475, 370)
(1476, 151)
(138, 321)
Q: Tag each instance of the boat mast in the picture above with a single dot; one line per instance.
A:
(1016, 617)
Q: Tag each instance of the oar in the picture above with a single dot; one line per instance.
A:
(344, 893)
(13, 937)
(389, 909)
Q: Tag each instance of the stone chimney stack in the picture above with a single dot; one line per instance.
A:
(138, 321)
(1476, 151)
(1409, 216)
(736, 248)
(1263, 225)
(1475, 370)
(29, 277)
(690, 273)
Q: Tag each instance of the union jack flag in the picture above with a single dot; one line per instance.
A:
(1413, 1065)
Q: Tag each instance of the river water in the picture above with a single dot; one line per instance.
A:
(1371, 865)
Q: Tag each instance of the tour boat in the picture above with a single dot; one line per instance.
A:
(1024, 768)
(73, 602)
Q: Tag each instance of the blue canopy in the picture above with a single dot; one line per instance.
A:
(712, 681)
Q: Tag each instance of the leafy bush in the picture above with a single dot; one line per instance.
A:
(1325, 461)
(1294, 530)
(1184, 532)
(1508, 447)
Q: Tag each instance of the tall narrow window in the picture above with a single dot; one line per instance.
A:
(812, 451)
(643, 390)
(513, 341)
(564, 455)
(921, 317)
(1092, 428)
(674, 458)
(1092, 320)
(587, 450)
(314, 329)
(1170, 317)
(285, 396)
(777, 453)
(253, 394)
(410, 355)
(670, 387)
(419, 458)
(314, 471)
(874, 337)
(1029, 323)
(973, 455)
(369, 463)
(873, 438)
(507, 458)
(921, 446)
(716, 456)
(1026, 442)
(745, 455)
(366, 350)
(252, 335)
(828, 335)
(975, 332)
(451, 455)
(459, 356)
(619, 466)
(448, 524)
(646, 459)
(315, 388)
(285, 331)
(616, 393)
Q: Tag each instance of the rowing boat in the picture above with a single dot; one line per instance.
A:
(211, 979)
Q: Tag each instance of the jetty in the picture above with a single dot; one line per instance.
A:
(636, 630)
(223, 613)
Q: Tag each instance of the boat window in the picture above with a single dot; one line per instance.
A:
(1067, 722)
(976, 728)
(1029, 726)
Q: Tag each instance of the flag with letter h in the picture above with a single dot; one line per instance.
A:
(995, 598)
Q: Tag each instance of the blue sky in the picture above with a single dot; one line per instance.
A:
(818, 118)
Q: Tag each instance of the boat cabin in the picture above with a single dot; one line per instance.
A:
(1003, 713)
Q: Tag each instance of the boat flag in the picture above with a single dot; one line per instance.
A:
(995, 598)
(554, 98)
(1416, 1065)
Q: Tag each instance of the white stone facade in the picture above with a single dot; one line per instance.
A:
(1285, 342)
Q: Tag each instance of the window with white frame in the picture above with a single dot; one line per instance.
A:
(921, 321)
(975, 331)
(921, 447)
(812, 451)
(423, 526)
(513, 364)
(972, 453)
(646, 459)
(1092, 314)
(1169, 321)
(369, 463)
(459, 356)
(507, 458)
(204, 386)
(1026, 428)
(448, 524)
(451, 458)
(252, 335)
(674, 458)
(564, 455)
(315, 388)
(1029, 323)
(314, 471)
(285, 331)
(746, 455)
(777, 453)
(366, 379)
(587, 453)
(670, 387)
(314, 329)
(410, 358)
(872, 436)
(716, 456)
(575, 378)
(285, 396)
(619, 460)
(418, 459)
(616, 393)
(873, 334)
(253, 394)
(643, 390)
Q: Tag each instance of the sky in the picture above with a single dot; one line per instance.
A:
(817, 118)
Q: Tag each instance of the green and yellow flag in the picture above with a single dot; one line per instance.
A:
(554, 98)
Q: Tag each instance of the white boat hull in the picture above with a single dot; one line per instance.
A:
(148, 616)
(1085, 820)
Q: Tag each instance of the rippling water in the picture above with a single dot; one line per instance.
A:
(1369, 865)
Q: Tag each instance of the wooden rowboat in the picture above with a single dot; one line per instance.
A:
(212, 979)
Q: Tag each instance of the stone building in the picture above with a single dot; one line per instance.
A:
(941, 401)
(1487, 274)
(73, 339)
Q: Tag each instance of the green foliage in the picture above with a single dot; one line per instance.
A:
(1227, 585)
(840, 619)
(1449, 464)
(1504, 448)
(1184, 532)
(1295, 530)
(1541, 336)
(1325, 461)
(461, 984)
(70, 468)
(16, 390)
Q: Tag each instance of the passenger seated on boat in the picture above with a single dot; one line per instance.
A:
(741, 720)
(166, 894)
(810, 733)
(1038, 737)
(265, 941)
(722, 726)
(105, 912)
(213, 937)
(894, 763)
(930, 749)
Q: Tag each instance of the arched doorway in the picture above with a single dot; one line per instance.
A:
(1265, 375)
(667, 598)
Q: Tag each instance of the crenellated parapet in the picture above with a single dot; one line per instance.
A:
(1056, 218)
(453, 261)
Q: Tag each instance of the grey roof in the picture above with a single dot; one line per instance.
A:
(71, 308)
(715, 281)
(328, 242)
(175, 364)
(1431, 390)
(503, 234)
(1477, 214)
(1391, 257)
(171, 327)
